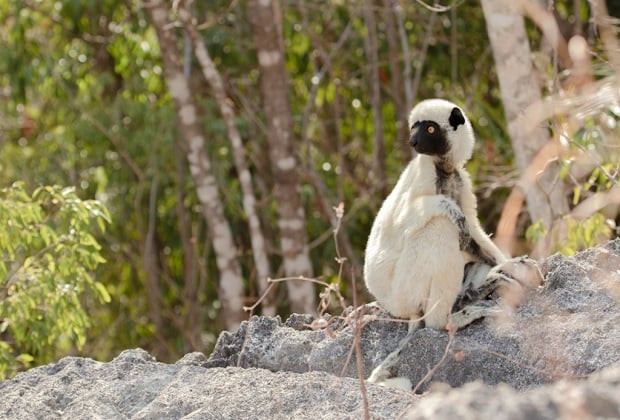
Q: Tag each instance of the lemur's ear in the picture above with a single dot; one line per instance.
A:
(456, 118)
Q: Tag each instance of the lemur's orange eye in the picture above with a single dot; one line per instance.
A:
(430, 129)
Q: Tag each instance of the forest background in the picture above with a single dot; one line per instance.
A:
(160, 161)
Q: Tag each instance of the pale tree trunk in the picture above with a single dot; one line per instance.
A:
(274, 91)
(213, 77)
(519, 89)
(231, 281)
(375, 100)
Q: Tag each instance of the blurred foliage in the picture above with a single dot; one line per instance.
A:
(47, 256)
(582, 234)
(83, 103)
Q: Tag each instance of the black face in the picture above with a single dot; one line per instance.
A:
(428, 138)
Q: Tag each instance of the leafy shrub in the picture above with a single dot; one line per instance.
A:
(47, 253)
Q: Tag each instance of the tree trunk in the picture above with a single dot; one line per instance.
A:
(213, 77)
(398, 91)
(231, 281)
(404, 44)
(419, 66)
(275, 94)
(191, 297)
(519, 89)
(152, 268)
(375, 100)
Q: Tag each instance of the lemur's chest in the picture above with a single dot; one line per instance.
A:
(448, 183)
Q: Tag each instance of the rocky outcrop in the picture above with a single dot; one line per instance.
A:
(568, 328)
(557, 355)
(135, 386)
(598, 397)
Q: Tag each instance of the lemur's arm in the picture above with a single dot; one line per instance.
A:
(481, 245)
(427, 207)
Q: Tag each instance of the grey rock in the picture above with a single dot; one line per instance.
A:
(134, 385)
(193, 359)
(565, 335)
(596, 397)
(567, 328)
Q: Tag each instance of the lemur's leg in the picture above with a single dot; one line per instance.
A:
(473, 312)
(388, 367)
(474, 276)
(480, 280)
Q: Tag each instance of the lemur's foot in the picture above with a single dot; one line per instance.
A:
(522, 270)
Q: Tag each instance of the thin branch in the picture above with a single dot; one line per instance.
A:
(504, 234)
(611, 178)
(422, 58)
(596, 202)
(117, 145)
(378, 152)
(357, 338)
(404, 44)
(330, 288)
(607, 31)
(318, 77)
(453, 49)
(431, 372)
(438, 8)
(548, 25)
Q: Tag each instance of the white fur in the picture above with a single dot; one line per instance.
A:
(413, 265)
(407, 268)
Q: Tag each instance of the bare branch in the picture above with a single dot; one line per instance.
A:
(419, 67)
(438, 8)
(549, 27)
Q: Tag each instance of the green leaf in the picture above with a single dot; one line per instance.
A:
(25, 359)
(576, 194)
(103, 292)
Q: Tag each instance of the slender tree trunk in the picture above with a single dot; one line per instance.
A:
(191, 297)
(398, 91)
(152, 268)
(231, 281)
(375, 99)
(275, 94)
(404, 44)
(419, 66)
(519, 89)
(453, 47)
(257, 238)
